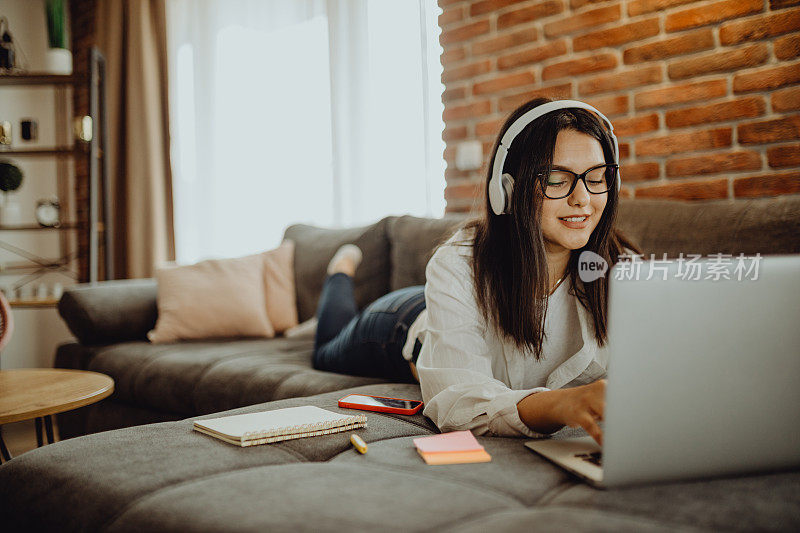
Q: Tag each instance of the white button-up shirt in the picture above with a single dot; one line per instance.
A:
(473, 379)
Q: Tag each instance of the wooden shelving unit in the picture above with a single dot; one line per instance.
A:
(34, 304)
(92, 150)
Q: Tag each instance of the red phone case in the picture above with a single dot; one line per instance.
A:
(381, 409)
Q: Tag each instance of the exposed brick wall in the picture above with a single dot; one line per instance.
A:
(83, 38)
(704, 95)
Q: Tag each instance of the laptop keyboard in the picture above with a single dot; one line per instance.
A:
(596, 458)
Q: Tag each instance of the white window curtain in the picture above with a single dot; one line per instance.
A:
(313, 111)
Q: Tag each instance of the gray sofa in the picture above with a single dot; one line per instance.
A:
(159, 475)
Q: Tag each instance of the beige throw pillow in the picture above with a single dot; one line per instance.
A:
(279, 292)
(211, 299)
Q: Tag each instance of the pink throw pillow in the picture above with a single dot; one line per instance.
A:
(279, 290)
(212, 299)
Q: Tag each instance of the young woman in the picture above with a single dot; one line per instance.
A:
(511, 342)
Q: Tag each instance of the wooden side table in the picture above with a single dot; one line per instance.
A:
(39, 393)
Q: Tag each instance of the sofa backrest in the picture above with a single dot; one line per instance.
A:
(763, 225)
(412, 241)
(397, 249)
(314, 248)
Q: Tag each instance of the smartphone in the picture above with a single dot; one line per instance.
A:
(381, 404)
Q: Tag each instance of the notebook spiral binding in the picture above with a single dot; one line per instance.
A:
(253, 438)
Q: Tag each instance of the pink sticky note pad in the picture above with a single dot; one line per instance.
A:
(456, 441)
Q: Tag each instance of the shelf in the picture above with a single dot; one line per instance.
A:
(27, 227)
(49, 264)
(69, 150)
(64, 150)
(39, 78)
(50, 302)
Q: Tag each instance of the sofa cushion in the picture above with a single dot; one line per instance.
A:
(101, 476)
(745, 503)
(412, 241)
(314, 248)
(279, 289)
(763, 225)
(215, 298)
(567, 519)
(165, 477)
(190, 378)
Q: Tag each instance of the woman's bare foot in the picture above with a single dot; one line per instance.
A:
(345, 260)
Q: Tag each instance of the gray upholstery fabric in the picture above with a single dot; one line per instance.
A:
(412, 241)
(189, 378)
(108, 415)
(717, 504)
(112, 311)
(764, 225)
(397, 249)
(165, 477)
(314, 248)
(768, 226)
(553, 518)
(101, 475)
(343, 489)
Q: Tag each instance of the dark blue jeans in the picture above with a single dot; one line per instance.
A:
(369, 343)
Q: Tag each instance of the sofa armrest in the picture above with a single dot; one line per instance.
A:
(110, 311)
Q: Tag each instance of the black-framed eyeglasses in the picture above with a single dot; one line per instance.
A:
(560, 183)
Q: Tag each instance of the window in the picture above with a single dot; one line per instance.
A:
(320, 116)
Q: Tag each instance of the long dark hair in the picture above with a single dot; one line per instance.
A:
(509, 262)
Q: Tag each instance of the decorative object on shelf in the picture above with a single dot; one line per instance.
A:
(59, 58)
(41, 291)
(47, 212)
(8, 52)
(5, 132)
(10, 180)
(83, 128)
(25, 292)
(29, 129)
(10, 176)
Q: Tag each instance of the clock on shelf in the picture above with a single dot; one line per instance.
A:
(48, 213)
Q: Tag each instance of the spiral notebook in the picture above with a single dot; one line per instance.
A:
(281, 424)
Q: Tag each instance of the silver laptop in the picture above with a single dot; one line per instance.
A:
(703, 374)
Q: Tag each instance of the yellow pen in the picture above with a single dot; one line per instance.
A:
(359, 443)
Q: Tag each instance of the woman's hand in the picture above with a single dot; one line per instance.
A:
(582, 407)
(549, 411)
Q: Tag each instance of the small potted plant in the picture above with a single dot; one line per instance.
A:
(10, 180)
(59, 58)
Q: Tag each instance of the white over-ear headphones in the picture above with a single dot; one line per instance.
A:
(501, 186)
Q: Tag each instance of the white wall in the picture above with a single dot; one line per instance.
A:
(37, 331)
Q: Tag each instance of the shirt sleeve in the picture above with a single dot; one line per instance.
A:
(455, 366)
